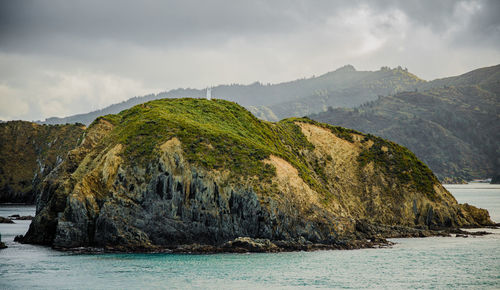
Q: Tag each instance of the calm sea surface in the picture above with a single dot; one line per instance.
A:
(412, 263)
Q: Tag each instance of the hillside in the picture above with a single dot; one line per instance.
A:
(345, 87)
(487, 78)
(28, 153)
(453, 126)
(210, 175)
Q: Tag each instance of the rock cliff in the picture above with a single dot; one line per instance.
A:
(176, 172)
(28, 152)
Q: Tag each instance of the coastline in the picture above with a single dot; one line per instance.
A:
(251, 245)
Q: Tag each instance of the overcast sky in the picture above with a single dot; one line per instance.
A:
(59, 58)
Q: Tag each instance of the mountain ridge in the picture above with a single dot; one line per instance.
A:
(263, 110)
(258, 97)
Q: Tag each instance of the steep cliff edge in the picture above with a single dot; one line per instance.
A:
(28, 152)
(173, 172)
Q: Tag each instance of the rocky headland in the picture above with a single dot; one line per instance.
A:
(193, 175)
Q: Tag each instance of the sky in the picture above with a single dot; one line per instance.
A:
(59, 58)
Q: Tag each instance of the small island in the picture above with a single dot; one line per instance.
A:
(196, 175)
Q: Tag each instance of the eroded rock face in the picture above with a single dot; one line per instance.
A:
(178, 204)
(97, 198)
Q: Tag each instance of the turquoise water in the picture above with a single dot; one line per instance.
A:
(436, 262)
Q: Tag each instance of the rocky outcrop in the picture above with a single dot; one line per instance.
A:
(296, 184)
(495, 179)
(4, 220)
(453, 180)
(28, 153)
(18, 217)
(2, 244)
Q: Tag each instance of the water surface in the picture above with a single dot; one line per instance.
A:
(436, 262)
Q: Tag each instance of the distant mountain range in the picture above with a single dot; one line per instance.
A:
(345, 87)
(452, 124)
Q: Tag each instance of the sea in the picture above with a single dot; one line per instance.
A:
(435, 262)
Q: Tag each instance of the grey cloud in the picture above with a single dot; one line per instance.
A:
(143, 22)
(23, 24)
(50, 49)
(484, 27)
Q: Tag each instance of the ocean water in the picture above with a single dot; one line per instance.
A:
(437, 262)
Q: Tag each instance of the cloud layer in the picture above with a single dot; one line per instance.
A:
(59, 57)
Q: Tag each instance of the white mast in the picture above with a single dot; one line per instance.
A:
(209, 93)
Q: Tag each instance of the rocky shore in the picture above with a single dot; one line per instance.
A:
(251, 245)
(10, 219)
(241, 245)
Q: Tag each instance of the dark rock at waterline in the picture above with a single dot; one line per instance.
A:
(19, 238)
(495, 179)
(480, 233)
(238, 245)
(18, 217)
(2, 245)
(251, 245)
(4, 220)
(25, 218)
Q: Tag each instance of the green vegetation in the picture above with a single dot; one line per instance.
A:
(215, 134)
(340, 132)
(395, 160)
(219, 134)
(398, 161)
(450, 124)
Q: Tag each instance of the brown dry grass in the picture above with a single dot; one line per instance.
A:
(292, 187)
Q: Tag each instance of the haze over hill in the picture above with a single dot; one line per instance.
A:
(452, 124)
(344, 87)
